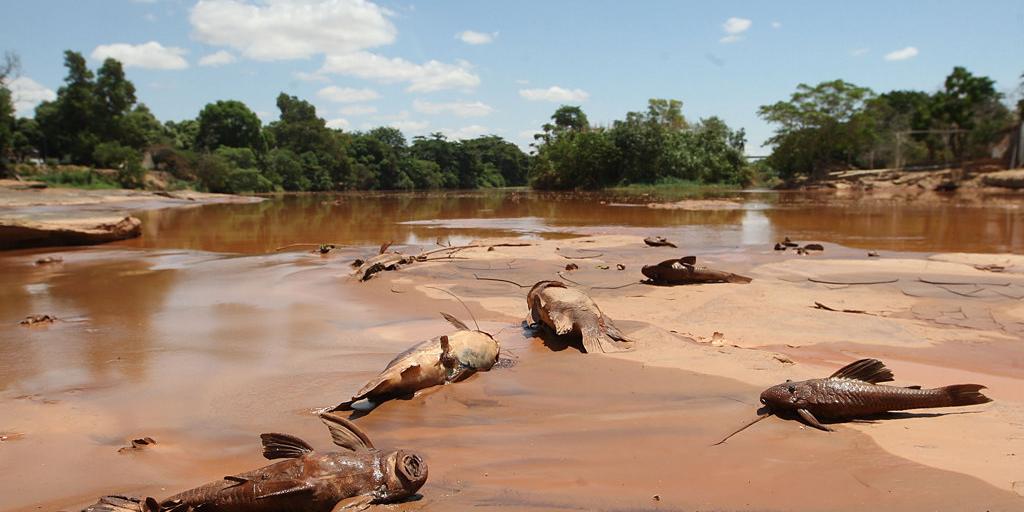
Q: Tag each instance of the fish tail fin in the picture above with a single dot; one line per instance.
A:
(115, 503)
(965, 394)
(596, 340)
(736, 278)
(344, 406)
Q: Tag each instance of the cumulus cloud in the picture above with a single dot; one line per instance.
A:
(857, 52)
(27, 93)
(555, 94)
(473, 37)
(286, 29)
(216, 59)
(408, 125)
(458, 108)
(151, 55)
(346, 94)
(733, 28)
(776, 24)
(430, 76)
(338, 124)
(357, 110)
(902, 54)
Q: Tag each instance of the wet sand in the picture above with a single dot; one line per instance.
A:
(203, 351)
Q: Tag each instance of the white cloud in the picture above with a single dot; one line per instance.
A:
(473, 37)
(311, 77)
(408, 125)
(357, 110)
(286, 29)
(523, 82)
(346, 94)
(857, 52)
(466, 132)
(733, 27)
(458, 108)
(151, 55)
(555, 94)
(776, 24)
(216, 59)
(528, 134)
(430, 76)
(902, 54)
(27, 93)
(338, 124)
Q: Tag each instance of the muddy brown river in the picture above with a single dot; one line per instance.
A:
(200, 335)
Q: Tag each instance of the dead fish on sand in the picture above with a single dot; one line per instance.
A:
(685, 271)
(853, 391)
(658, 241)
(384, 260)
(568, 310)
(441, 360)
(306, 481)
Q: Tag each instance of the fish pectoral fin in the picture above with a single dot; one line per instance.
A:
(459, 373)
(283, 446)
(273, 488)
(812, 421)
(346, 434)
(561, 317)
(455, 321)
(867, 370)
(353, 503)
(236, 479)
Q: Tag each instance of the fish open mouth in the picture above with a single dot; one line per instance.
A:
(412, 467)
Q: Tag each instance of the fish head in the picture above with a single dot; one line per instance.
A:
(469, 352)
(404, 473)
(651, 271)
(789, 396)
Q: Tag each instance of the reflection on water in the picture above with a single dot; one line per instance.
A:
(957, 223)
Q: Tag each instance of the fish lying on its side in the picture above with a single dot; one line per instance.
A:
(568, 310)
(853, 391)
(307, 481)
(433, 362)
(685, 271)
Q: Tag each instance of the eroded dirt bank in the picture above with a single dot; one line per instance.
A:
(204, 351)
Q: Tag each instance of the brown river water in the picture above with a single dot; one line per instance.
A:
(201, 336)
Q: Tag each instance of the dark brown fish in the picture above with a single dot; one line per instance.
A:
(307, 481)
(434, 362)
(853, 391)
(568, 310)
(658, 241)
(383, 261)
(685, 271)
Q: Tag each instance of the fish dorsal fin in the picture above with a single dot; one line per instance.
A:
(284, 446)
(455, 321)
(346, 434)
(446, 346)
(688, 260)
(867, 370)
(384, 247)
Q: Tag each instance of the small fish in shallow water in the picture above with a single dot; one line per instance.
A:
(658, 241)
(306, 481)
(568, 310)
(853, 391)
(685, 271)
(434, 362)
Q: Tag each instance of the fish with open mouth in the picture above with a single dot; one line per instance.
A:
(854, 391)
(434, 362)
(685, 271)
(306, 481)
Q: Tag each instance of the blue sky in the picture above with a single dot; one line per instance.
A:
(474, 67)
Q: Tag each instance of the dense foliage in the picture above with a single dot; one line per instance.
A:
(655, 146)
(840, 125)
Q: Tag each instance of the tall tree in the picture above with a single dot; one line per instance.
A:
(69, 122)
(8, 68)
(229, 123)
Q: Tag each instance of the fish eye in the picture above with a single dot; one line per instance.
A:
(792, 389)
(789, 380)
(763, 401)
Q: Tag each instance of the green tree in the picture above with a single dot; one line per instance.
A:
(7, 121)
(971, 103)
(504, 157)
(228, 123)
(69, 123)
(819, 128)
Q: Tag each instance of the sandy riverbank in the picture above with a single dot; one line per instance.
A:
(203, 352)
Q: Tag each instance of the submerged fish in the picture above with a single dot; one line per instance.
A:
(307, 481)
(568, 310)
(658, 241)
(853, 391)
(685, 271)
(433, 362)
